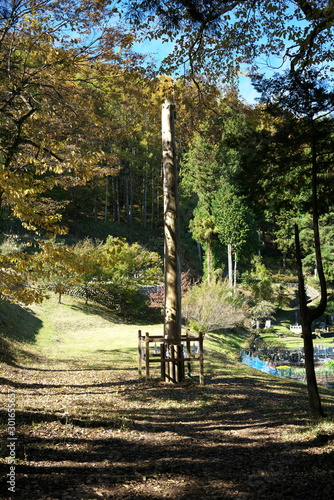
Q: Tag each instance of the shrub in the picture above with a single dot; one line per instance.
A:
(211, 306)
(11, 244)
(262, 310)
(110, 273)
(330, 365)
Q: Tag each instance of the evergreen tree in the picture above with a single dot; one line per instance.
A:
(306, 100)
(235, 225)
(201, 177)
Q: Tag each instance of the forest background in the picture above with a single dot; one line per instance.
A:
(80, 180)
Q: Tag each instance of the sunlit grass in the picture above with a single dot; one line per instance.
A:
(86, 333)
(323, 430)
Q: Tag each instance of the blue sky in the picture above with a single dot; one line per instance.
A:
(159, 51)
(247, 91)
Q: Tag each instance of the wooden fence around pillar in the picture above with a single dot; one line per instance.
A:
(172, 357)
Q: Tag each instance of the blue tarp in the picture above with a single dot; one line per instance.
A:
(259, 364)
(264, 366)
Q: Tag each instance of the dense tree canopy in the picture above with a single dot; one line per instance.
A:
(46, 112)
(217, 36)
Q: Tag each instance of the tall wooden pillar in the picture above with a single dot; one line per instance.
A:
(172, 268)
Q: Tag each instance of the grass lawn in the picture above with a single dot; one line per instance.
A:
(281, 334)
(72, 330)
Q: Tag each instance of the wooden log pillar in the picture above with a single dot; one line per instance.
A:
(172, 268)
(172, 323)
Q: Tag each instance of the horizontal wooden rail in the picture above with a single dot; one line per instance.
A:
(162, 340)
(166, 360)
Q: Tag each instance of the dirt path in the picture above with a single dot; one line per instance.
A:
(87, 434)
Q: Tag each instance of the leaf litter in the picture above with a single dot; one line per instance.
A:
(88, 433)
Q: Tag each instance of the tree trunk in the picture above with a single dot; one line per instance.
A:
(116, 209)
(235, 271)
(308, 315)
(208, 254)
(199, 252)
(129, 197)
(106, 201)
(131, 191)
(172, 324)
(160, 198)
(144, 201)
(126, 196)
(306, 322)
(152, 201)
(230, 264)
(95, 201)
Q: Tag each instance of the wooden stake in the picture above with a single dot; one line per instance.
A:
(201, 360)
(147, 355)
(139, 354)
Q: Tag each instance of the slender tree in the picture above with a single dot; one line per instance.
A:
(235, 225)
(308, 99)
(200, 179)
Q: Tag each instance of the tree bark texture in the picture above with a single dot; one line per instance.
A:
(307, 314)
(144, 201)
(128, 195)
(116, 207)
(172, 323)
(152, 202)
(235, 271)
(306, 321)
(230, 264)
(208, 252)
(106, 202)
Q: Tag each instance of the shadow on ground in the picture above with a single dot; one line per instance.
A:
(18, 323)
(88, 434)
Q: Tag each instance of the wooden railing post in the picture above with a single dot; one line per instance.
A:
(139, 354)
(201, 359)
(147, 355)
(163, 364)
(188, 352)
